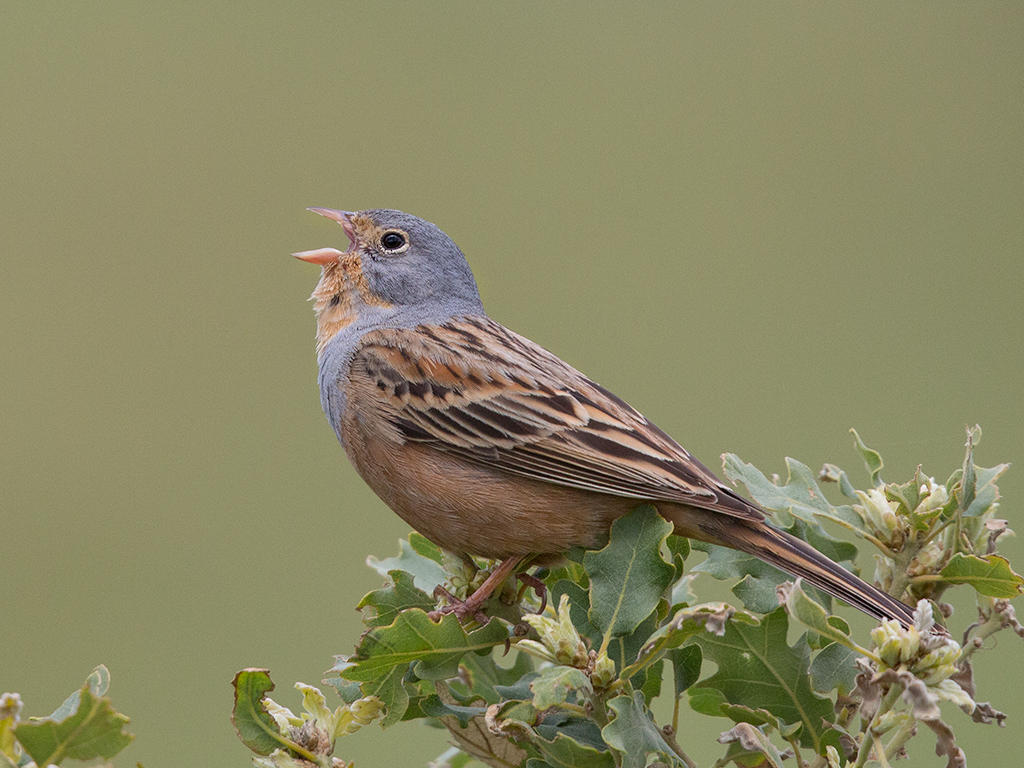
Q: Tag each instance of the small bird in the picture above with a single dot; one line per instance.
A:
(490, 445)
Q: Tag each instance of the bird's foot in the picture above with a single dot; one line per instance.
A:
(539, 589)
(463, 609)
(472, 606)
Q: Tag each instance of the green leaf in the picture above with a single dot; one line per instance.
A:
(433, 647)
(834, 668)
(968, 479)
(686, 664)
(481, 677)
(520, 690)
(383, 605)
(686, 623)
(427, 573)
(634, 734)
(986, 492)
(391, 690)
(255, 727)
(348, 691)
(758, 669)
(92, 729)
(799, 496)
(752, 740)
(581, 730)
(650, 687)
(425, 547)
(491, 746)
(650, 684)
(872, 459)
(809, 612)
(757, 590)
(682, 592)
(625, 649)
(520, 715)
(453, 757)
(745, 758)
(679, 549)
(990, 575)
(830, 473)
(394, 688)
(97, 682)
(432, 706)
(707, 701)
(554, 685)
(743, 714)
(579, 608)
(908, 494)
(678, 545)
(565, 752)
(758, 579)
(628, 576)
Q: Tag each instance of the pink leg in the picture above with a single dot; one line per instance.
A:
(471, 605)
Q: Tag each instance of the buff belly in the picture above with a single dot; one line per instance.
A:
(474, 510)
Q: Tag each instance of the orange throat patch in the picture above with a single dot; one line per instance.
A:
(343, 289)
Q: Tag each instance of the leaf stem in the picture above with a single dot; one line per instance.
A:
(795, 744)
(885, 548)
(598, 711)
(903, 733)
(302, 751)
(869, 740)
(901, 562)
(992, 624)
(860, 532)
(669, 734)
(639, 666)
(939, 529)
(882, 759)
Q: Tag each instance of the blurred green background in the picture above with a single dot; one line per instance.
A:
(760, 223)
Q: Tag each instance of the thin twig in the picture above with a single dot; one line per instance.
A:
(868, 743)
(669, 734)
(795, 744)
(902, 735)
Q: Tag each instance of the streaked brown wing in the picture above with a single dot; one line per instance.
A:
(475, 389)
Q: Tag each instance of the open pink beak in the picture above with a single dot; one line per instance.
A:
(324, 256)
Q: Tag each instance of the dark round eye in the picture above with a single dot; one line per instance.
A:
(392, 241)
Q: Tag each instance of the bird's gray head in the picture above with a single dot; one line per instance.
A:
(395, 262)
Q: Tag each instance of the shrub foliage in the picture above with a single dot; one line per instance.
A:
(573, 681)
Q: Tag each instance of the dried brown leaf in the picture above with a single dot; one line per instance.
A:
(986, 713)
(945, 744)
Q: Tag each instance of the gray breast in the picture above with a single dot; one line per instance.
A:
(336, 357)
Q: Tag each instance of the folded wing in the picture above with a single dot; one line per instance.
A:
(475, 389)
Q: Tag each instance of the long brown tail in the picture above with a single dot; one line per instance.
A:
(795, 557)
(799, 558)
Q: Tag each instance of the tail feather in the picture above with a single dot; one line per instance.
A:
(789, 554)
(798, 558)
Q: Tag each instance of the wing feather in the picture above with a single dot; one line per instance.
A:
(475, 389)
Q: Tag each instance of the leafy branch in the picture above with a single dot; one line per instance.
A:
(573, 683)
(84, 727)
